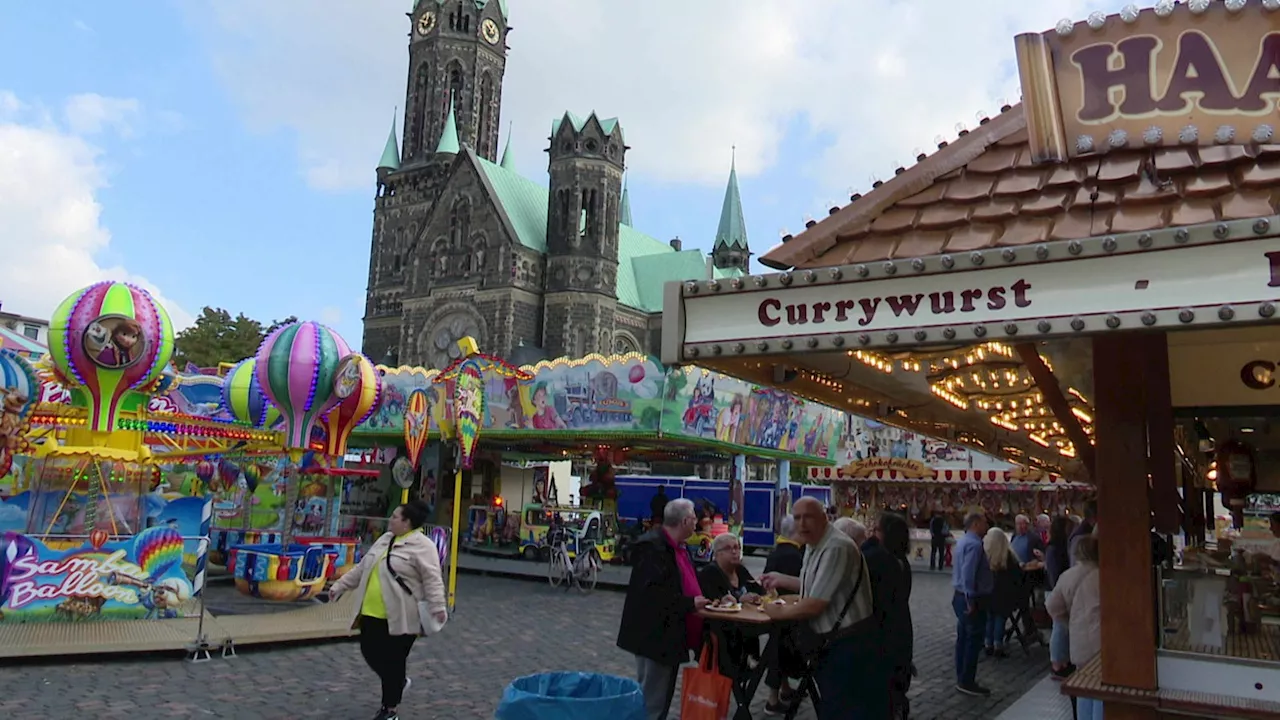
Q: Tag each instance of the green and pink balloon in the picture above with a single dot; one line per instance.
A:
(296, 367)
(106, 341)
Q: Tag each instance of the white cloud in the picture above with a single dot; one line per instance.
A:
(331, 316)
(91, 113)
(51, 216)
(880, 78)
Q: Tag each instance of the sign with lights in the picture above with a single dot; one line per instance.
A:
(1194, 73)
(1225, 368)
(1096, 285)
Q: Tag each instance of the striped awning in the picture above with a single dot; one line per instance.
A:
(940, 477)
(21, 344)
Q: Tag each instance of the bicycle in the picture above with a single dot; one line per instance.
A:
(582, 571)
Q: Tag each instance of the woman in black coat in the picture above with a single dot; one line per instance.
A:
(890, 571)
(725, 578)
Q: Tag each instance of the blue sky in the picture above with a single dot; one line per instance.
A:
(235, 167)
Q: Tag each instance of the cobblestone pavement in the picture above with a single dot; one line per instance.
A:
(504, 628)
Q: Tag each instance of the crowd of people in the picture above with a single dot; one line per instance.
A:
(850, 630)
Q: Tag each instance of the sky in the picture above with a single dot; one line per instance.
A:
(221, 152)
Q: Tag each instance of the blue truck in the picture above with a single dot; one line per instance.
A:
(759, 498)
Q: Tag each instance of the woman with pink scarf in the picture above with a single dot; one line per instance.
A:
(660, 624)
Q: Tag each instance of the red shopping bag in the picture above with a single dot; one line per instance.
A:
(705, 693)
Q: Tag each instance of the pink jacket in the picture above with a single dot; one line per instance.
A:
(416, 560)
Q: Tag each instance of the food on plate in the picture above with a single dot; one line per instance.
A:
(725, 604)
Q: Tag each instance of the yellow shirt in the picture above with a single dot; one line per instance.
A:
(373, 605)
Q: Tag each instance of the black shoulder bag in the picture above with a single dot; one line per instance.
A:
(811, 644)
(426, 620)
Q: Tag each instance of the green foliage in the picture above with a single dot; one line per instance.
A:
(217, 337)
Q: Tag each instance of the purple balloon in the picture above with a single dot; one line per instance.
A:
(13, 547)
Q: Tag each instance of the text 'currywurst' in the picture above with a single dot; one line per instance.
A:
(773, 311)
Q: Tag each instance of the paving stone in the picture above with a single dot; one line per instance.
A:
(504, 628)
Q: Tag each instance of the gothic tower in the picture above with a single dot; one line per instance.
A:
(458, 50)
(584, 210)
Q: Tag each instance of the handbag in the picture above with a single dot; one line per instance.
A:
(426, 618)
(811, 644)
(705, 693)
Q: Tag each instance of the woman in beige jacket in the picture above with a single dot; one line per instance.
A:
(1076, 600)
(401, 569)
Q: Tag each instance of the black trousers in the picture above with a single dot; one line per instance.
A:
(386, 655)
(938, 551)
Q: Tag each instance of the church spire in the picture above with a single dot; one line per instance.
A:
(733, 228)
(731, 249)
(449, 138)
(625, 210)
(508, 159)
(390, 159)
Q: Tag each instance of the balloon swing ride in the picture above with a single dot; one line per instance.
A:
(95, 462)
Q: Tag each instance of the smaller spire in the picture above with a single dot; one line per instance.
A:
(625, 213)
(449, 138)
(390, 159)
(508, 159)
(732, 232)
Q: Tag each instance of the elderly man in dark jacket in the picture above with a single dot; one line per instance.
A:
(660, 624)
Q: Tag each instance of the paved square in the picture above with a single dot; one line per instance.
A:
(504, 628)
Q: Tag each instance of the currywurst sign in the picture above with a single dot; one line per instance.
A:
(1164, 280)
(1164, 76)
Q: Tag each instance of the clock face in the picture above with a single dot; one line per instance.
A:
(426, 23)
(489, 31)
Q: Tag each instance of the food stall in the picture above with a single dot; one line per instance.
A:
(1115, 253)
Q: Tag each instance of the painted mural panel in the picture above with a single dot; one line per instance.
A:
(705, 404)
(869, 438)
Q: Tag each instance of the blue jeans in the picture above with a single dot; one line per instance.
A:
(1060, 643)
(995, 630)
(1088, 709)
(969, 630)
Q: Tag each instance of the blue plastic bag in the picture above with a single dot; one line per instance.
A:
(571, 696)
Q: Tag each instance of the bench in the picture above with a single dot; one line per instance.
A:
(1087, 682)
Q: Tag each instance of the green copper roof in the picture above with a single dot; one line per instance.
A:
(449, 138)
(606, 124)
(733, 228)
(390, 159)
(625, 213)
(644, 263)
(508, 160)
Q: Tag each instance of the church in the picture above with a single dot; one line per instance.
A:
(464, 244)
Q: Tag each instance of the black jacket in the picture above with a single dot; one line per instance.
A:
(653, 614)
(1010, 588)
(657, 505)
(891, 589)
(734, 646)
(787, 558)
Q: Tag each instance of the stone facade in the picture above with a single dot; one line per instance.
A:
(448, 259)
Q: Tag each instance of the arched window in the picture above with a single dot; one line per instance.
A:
(454, 94)
(459, 223)
(416, 125)
(485, 135)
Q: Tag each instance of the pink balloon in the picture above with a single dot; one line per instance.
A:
(636, 374)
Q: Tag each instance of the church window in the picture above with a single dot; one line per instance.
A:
(418, 115)
(395, 265)
(591, 214)
(485, 136)
(592, 146)
(455, 92)
(459, 222)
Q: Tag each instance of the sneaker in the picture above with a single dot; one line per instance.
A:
(385, 714)
(974, 690)
(1064, 672)
(775, 708)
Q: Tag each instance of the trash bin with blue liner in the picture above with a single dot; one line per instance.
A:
(571, 696)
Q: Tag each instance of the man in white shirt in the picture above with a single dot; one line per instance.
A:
(835, 594)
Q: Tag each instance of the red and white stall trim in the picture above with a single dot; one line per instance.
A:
(940, 476)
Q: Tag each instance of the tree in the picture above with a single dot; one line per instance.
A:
(216, 337)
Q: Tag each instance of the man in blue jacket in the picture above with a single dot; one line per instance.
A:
(973, 582)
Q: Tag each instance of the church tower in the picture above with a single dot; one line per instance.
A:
(584, 211)
(730, 249)
(458, 51)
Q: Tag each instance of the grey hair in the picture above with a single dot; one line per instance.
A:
(851, 527)
(676, 511)
(1044, 518)
(972, 518)
(787, 528)
(724, 539)
(1023, 518)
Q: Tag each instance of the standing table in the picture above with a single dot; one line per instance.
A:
(753, 623)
